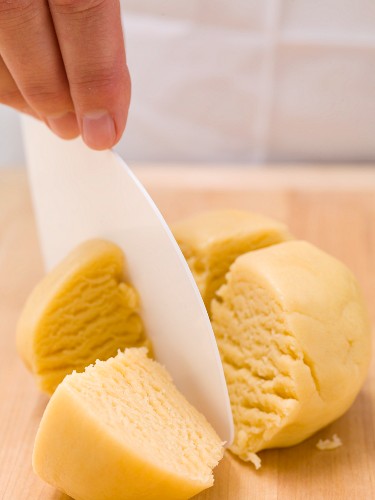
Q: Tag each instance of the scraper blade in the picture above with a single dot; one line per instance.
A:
(80, 194)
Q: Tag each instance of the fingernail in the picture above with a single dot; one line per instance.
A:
(98, 130)
(64, 125)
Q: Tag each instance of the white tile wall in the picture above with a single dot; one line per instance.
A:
(194, 107)
(346, 19)
(249, 15)
(245, 80)
(323, 107)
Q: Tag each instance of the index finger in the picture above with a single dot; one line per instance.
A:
(91, 41)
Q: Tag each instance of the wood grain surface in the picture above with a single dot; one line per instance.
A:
(332, 207)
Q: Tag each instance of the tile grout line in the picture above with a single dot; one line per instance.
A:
(262, 127)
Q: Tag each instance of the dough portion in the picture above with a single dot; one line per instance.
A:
(81, 311)
(211, 241)
(294, 338)
(121, 430)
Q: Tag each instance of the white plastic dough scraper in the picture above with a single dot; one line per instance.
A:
(80, 194)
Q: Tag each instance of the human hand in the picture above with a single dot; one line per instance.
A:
(63, 61)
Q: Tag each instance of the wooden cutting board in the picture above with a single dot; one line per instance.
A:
(333, 208)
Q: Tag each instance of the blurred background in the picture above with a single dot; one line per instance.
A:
(244, 81)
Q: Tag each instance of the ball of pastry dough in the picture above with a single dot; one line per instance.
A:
(294, 338)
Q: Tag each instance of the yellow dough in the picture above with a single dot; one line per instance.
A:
(122, 431)
(294, 338)
(211, 241)
(81, 311)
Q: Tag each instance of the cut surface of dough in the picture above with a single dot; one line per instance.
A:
(211, 241)
(121, 430)
(81, 311)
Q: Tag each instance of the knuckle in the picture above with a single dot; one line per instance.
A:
(95, 80)
(76, 7)
(42, 96)
(14, 13)
(12, 98)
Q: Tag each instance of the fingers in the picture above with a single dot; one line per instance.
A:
(9, 93)
(30, 51)
(77, 81)
(91, 42)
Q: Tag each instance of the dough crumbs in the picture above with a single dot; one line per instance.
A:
(255, 460)
(329, 444)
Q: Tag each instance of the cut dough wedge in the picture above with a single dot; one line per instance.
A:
(211, 241)
(81, 311)
(122, 431)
